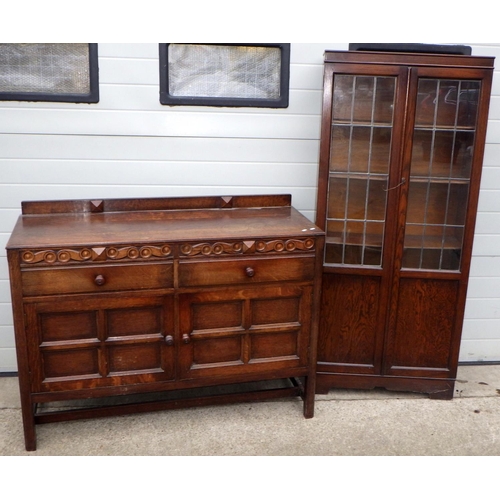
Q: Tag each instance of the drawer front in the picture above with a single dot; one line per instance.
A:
(96, 279)
(246, 271)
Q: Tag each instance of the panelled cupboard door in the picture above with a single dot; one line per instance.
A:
(400, 163)
(242, 332)
(99, 342)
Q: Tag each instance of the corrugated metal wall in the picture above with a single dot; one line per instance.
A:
(129, 145)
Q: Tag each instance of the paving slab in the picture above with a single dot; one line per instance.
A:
(346, 423)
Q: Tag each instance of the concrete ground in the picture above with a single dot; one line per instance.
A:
(346, 423)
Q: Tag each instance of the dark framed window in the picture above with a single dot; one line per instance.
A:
(228, 74)
(66, 72)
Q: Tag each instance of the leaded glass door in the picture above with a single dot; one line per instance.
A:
(361, 184)
(440, 173)
(439, 160)
(360, 164)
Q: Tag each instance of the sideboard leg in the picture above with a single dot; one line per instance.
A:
(309, 396)
(28, 412)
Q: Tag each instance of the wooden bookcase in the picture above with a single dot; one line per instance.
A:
(401, 155)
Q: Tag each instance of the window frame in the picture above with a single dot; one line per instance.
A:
(282, 102)
(91, 97)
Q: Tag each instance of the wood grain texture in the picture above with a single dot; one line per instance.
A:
(413, 308)
(425, 327)
(116, 297)
(348, 323)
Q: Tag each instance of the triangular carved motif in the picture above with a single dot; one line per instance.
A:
(227, 201)
(96, 205)
(248, 246)
(99, 253)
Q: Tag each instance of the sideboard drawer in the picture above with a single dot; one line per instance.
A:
(96, 279)
(238, 271)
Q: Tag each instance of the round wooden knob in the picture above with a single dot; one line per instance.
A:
(186, 339)
(99, 280)
(250, 272)
(169, 340)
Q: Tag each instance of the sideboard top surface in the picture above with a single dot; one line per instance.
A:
(261, 218)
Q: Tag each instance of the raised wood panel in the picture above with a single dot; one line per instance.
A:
(210, 353)
(71, 363)
(134, 321)
(424, 329)
(139, 357)
(207, 316)
(348, 323)
(68, 326)
(276, 310)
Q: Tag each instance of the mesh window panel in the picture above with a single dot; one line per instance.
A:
(48, 68)
(224, 71)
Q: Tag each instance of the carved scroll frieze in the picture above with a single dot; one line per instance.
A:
(247, 247)
(283, 246)
(144, 252)
(95, 254)
(219, 248)
(132, 252)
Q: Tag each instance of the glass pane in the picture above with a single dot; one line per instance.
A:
(249, 72)
(359, 169)
(360, 149)
(442, 153)
(447, 103)
(440, 173)
(48, 68)
(377, 197)
(363, 99)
